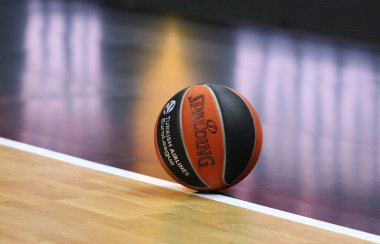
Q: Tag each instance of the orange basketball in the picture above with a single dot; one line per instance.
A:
(208, 137)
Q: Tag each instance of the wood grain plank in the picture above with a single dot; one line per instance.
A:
(44, 200)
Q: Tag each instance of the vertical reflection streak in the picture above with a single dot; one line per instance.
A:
(77, 55)
(328, 100)
(62, 68)
(249, 64)
(33, 44)
(33, 78)
(166, 74)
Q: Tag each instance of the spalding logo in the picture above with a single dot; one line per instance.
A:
(169, 107)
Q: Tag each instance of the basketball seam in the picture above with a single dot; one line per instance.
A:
(223, 135)
(183, 141)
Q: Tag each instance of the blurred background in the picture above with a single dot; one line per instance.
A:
(350, 19)
(88, 78)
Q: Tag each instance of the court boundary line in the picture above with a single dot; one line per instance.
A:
(177, 187)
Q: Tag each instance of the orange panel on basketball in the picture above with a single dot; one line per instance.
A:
(202, 133)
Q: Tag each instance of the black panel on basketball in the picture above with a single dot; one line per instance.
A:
(169, 142)
(239, 131)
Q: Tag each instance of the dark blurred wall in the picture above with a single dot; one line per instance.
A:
(352, 19)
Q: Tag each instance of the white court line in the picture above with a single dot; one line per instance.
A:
(174, 186)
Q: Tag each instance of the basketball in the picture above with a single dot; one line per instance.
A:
(208, 137)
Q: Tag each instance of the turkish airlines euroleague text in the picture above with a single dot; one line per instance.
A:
(167, 144)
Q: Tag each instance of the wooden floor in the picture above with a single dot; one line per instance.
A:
(44, 200)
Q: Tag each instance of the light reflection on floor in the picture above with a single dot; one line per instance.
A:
(319, 104)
